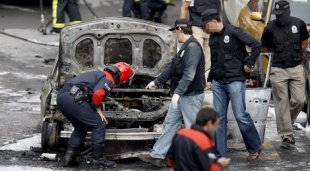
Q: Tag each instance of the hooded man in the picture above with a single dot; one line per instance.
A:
(287, 37)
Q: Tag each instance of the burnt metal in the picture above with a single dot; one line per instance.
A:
(132, 110)
(137, 116)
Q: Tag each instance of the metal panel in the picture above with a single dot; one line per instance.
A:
(120, 136)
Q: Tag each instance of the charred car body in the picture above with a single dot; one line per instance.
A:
(135, 114)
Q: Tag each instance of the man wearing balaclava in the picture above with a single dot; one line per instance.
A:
(287, 37)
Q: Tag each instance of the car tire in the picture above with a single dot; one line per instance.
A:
(49, 136)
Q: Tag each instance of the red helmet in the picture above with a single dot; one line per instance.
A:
(126, 72)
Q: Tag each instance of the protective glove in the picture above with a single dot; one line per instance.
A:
(174, 100)
(151, 85)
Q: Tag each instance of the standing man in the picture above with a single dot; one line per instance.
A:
(186, 72)
(192, 148)
(229, 70)
(287, 37)
(59, 7)
(80, 101)
(143, 4)
(195, 8)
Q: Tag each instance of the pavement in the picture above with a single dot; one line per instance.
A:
(272, 158)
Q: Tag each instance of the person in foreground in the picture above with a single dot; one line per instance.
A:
(287, 37)
(186, 72)
(80, 101)
(230, 66)
(192, 148)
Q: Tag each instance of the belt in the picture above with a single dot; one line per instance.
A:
(192, 93)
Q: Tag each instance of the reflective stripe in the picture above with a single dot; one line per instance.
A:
(54, 15)
(59, 25)
(169, 2)
(75, 22)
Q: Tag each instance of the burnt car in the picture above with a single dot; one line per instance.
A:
(135, 114)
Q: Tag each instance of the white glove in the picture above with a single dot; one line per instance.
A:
(174, 100)
(151, 85)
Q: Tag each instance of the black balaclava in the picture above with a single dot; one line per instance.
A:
(285, 18)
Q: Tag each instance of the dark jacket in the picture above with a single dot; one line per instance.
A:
(285, 42)
(98, 83)
(186, 70)
(192, 150)
(229, 55)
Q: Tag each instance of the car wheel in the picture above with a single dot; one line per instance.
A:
(49, 136)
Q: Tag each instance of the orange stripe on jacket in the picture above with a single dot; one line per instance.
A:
(98, 95)
(215, 167)
(198, 137)
(171, 163)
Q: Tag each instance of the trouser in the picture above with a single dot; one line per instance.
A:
(288, 89)
(144, 11)
(157, 8)
(83, 117)
(235, 92)
(203, 39)
(187, 109)
(59, 7)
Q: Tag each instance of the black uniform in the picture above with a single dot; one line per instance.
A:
(58, 12)
(284, 41)
(82, 113)
(229, 55)
(284, 36)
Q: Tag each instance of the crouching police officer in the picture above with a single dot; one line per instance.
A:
(80, 101)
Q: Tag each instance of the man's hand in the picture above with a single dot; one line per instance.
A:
(174, 100)
(101, 115)
(209, 85)
(248, 69)
(224, 161)
(151, 85)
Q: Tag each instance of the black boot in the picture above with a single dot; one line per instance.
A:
(99, 160)
(71, 157)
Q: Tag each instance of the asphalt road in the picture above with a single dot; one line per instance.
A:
(26, 59)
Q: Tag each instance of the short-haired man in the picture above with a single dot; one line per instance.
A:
(192, 148)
